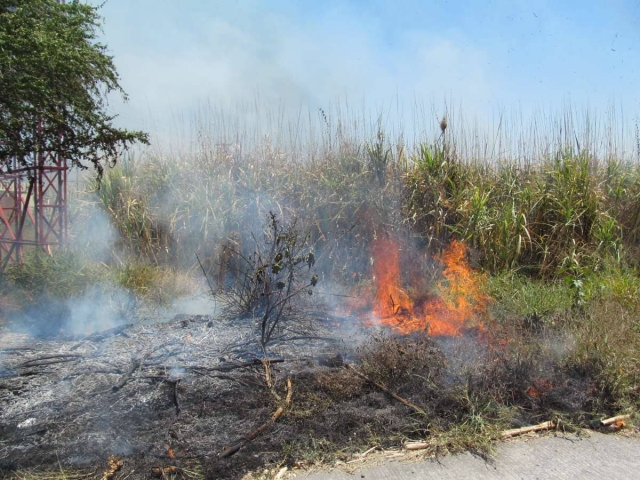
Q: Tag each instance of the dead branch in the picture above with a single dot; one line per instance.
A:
(112, 332)
(49, 360)
(267, 373)
(174, 395)
(233, 366)
(16, 349)
(274, 417)
(364, 454)
(367, 452)
(223, 377)
(610, 421)
(116, 371)
(136, 363)
(29, 373)
(281, 473)
(416, 445)
(514, 432)
(306, 338)
(269, 380)
(404, 401)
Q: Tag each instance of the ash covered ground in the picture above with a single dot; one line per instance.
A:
(168, 399)
(171, 394)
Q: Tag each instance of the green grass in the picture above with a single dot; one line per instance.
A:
(518, 296)
(62, 275)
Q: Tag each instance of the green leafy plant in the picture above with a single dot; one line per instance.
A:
(55, 81)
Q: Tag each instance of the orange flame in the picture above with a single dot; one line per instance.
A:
(457, 305)
(539, 388)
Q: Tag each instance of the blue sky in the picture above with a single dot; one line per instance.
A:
(485, 56)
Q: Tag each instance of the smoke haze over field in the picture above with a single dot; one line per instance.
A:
(174, 57)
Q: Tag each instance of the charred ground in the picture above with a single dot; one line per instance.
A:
(174, 395)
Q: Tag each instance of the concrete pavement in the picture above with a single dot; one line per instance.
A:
(598, 456)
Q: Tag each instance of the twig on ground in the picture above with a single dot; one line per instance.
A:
(404, 401)
(233, 366)
(163, 472)
(222, 377)
(274, 417)
(305, 338)
(267, 373)
(116, 371)
(514, 432)
(136, 363)
(112, 332)
(363, 455)
(610, 421)
(416, 445)
(50, 360)
(174, 395)
(269, 380)
(281, 473)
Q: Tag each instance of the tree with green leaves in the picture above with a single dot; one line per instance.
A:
(55, 78)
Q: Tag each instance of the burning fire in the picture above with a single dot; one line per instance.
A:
(539, 388)
(457, 305)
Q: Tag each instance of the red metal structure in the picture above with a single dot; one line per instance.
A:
(33, 206)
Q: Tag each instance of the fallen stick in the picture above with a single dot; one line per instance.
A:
(227, 452)
(49, 360)
(305, 338)
(233, 366)
(117, 371)
(267, 373)
(269, 380)
(43, 363)
(416, 445)
(112, 332)
(174, 395)
(364, 454)
(404, 401)
(610, 421)
(136, 363)
(224, 377)
(15, 349)
(514, 432)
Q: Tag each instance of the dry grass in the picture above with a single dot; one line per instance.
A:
(547, 204)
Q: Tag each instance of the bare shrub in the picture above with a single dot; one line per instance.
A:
(267, 282)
